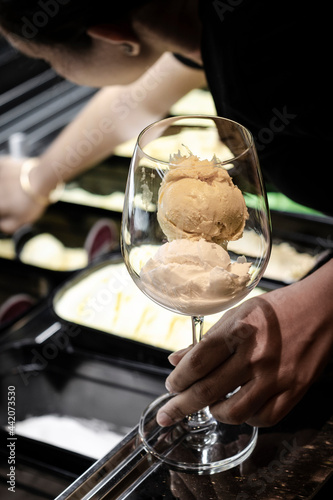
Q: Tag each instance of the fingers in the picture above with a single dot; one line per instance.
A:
(193, 363)
(248, 404)
(252, 348)
(7, 225)
(206, 372)
(177, 356)
(254, 403)
(206, 391)
(243, 406)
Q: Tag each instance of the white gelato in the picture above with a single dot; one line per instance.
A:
(194, 277)
(44, 250)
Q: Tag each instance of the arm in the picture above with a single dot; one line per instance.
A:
(114, 115)
(273, 346)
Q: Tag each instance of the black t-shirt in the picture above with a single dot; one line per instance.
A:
(267, 64)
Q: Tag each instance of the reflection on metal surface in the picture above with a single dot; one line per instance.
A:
(292, 460)
(113, 474)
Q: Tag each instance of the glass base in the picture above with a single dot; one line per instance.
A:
(190, 446)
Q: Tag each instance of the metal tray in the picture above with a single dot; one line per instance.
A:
(71, 225)
(311, 234)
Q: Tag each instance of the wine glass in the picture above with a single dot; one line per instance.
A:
(194, 194)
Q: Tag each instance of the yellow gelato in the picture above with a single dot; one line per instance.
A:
(197, 199)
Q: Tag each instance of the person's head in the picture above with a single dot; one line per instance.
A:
(94, 42)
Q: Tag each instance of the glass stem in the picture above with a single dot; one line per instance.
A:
(197, 328)
(202, 420)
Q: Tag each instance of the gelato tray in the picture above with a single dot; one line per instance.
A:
(105, 298)
(65, 239)
(100, 297)
(301, 243)
(65, 387)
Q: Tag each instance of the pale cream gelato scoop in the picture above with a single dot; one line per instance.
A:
(194, 277)
(44, 250)
(197, 199)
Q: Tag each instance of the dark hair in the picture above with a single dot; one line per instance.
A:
(61, 21)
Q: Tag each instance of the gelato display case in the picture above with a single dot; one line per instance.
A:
(38, 257)
(78, 340)
(80, 393)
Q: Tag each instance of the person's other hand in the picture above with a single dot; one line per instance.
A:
(272, 347)
(16, 207)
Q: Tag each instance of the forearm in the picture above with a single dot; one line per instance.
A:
(90, 137)
(315, 294)
(114, 115)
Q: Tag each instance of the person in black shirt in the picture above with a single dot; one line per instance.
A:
(265, 65)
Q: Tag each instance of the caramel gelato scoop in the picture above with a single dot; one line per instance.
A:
(197, 199)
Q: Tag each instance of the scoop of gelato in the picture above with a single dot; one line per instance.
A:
(44, 250)
(194, 277)
(197, 199)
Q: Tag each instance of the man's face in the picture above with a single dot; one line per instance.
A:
(106, 61)
(100, 65)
